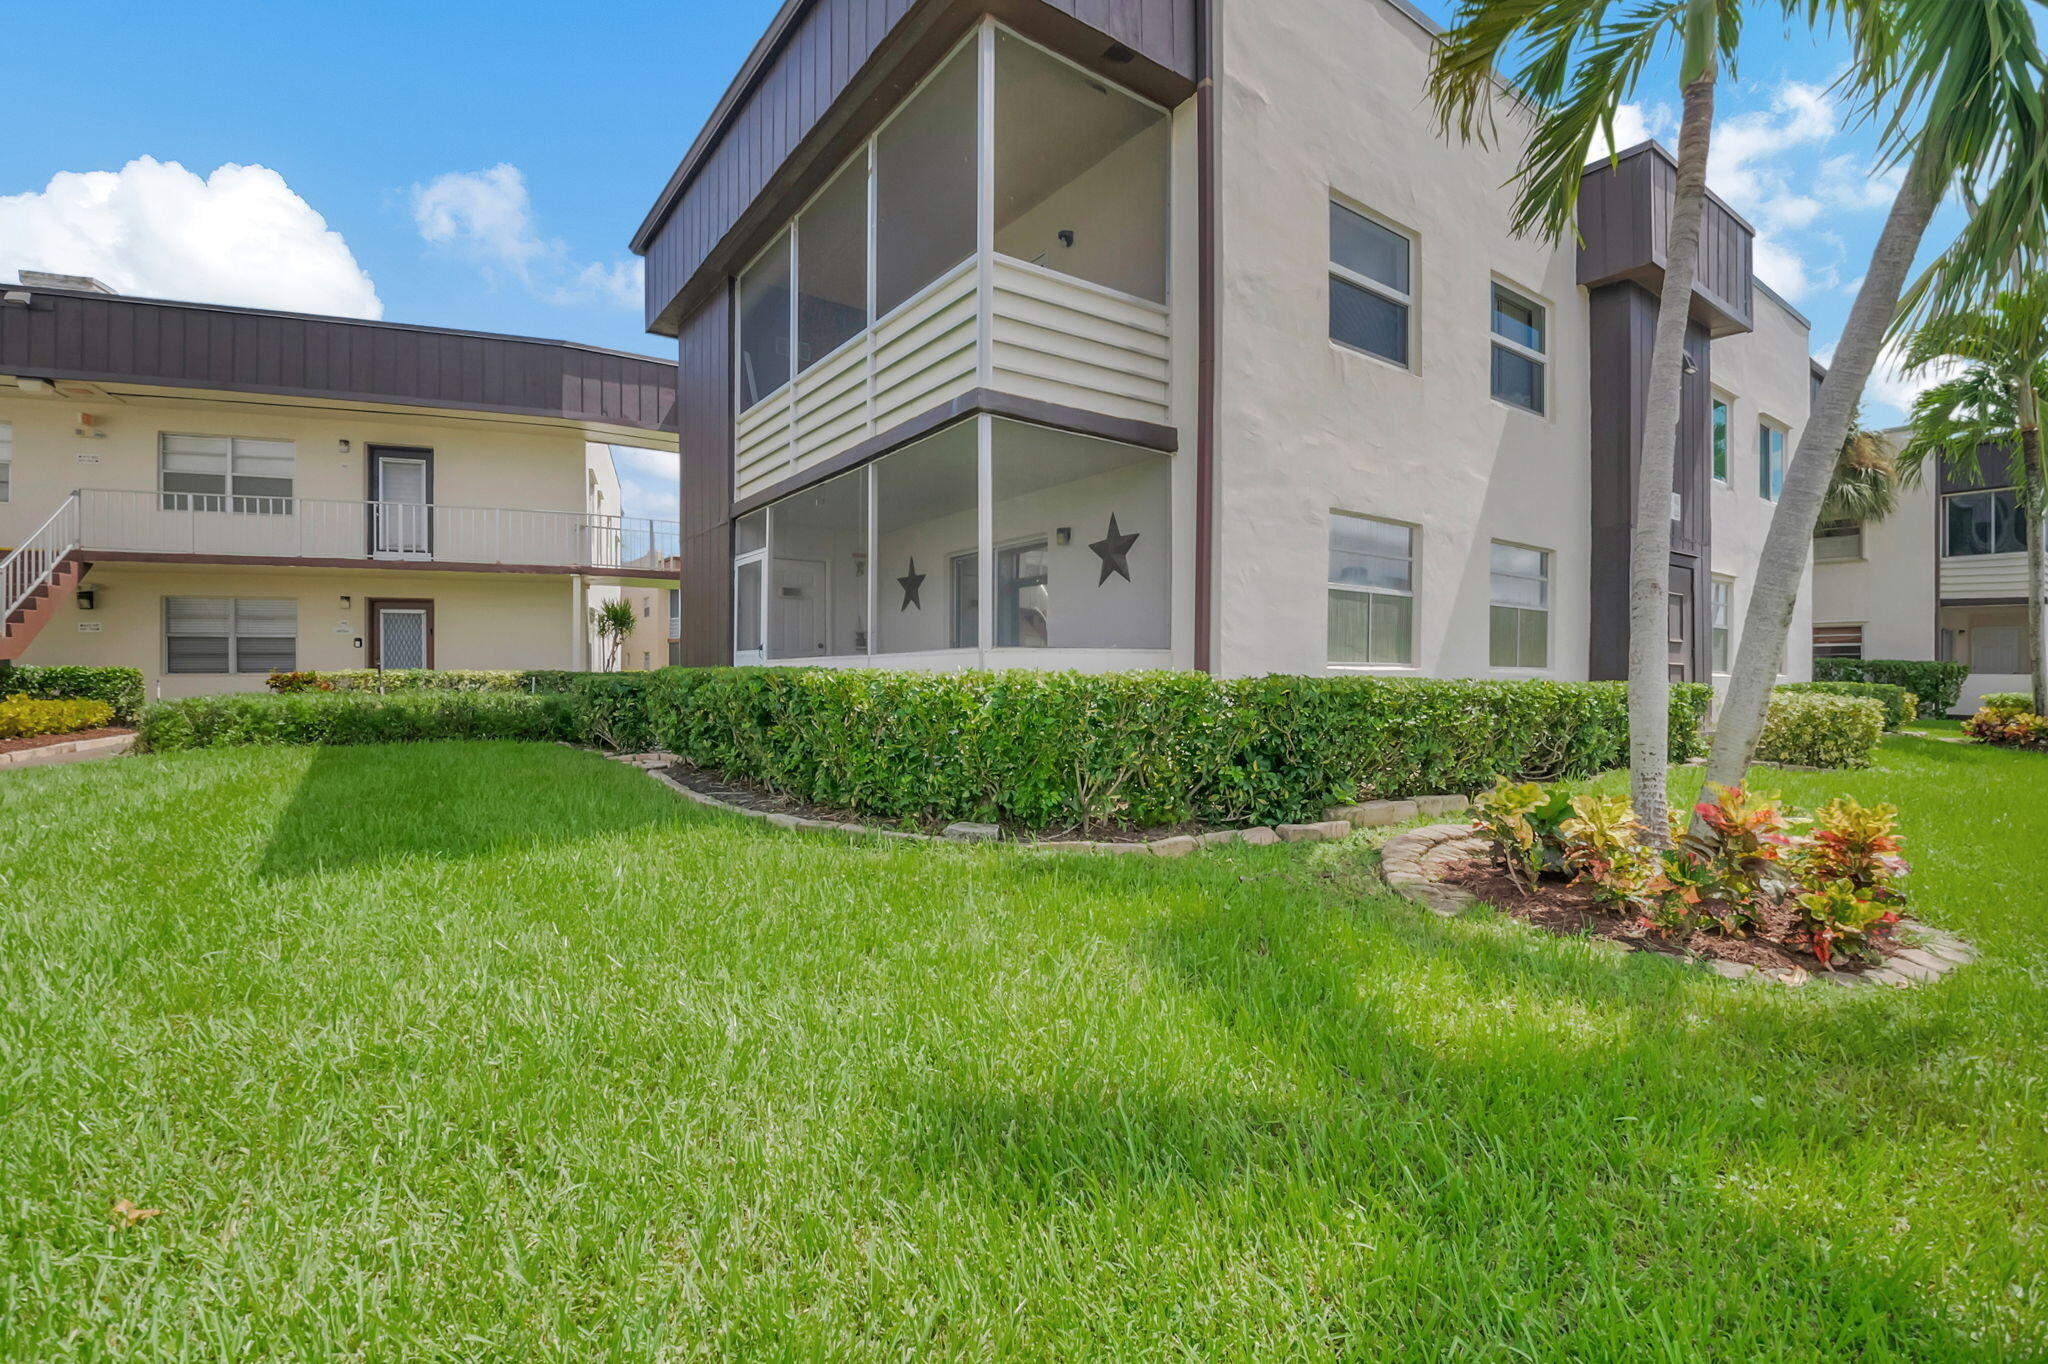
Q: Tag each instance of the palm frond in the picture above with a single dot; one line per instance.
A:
(1577, 62)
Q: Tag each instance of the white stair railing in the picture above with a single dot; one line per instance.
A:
(35, 560)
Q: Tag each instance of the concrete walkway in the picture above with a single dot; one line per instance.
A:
(68, 751)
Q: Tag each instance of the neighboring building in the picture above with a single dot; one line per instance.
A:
(1169, 333)
(1944, 577)
(211, 493)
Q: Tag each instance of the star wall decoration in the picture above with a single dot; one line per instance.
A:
(1114, 551)
(911, 583)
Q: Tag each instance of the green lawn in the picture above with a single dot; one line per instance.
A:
(502, 1052)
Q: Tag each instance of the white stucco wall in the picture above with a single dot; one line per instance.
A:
(1320, 99)
(1762, 375)
(1890, 591)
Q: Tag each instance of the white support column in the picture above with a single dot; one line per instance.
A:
(874, 549)
(985, 535)
(985, 208)
(579, 626)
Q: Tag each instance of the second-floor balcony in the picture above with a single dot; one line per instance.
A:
(225, 528)
(1005, 229)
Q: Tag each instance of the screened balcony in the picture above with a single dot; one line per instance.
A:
(1066, 538)
(1006, 228)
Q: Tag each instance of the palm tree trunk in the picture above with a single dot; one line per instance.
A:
(1789, 545)
(2030, 458)
(1649, 588)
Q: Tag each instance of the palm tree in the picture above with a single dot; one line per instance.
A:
(1866, 482)
(1579, 63)
(613, 620)
(2003, 352)
(1958, 93)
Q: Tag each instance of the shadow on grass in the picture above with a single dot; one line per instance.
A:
(449, 802)
(1470, 1075)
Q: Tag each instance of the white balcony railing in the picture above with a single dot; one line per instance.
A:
(145, 522)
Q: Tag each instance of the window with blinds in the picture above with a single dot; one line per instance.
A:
(6, 461)
(230, 634)
(226, 473)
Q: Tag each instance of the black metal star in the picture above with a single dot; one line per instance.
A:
(1114, 551)
(911, 583)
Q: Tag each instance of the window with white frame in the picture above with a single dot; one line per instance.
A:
(230, 634)
(1370, 299)
(1521, 345)
(1519, 623)
(1722, 602)
(1371, 592)
(1720, 441)
(6, 461)
(1986, 522)
(1770, 460)
(226, 473)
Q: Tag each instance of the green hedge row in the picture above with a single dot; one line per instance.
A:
(120, 688)
(1051, 750)
(608, 709)
(349, 718)
(1806, 729)
(1899, 704)
(1938, 685)
(386, 680)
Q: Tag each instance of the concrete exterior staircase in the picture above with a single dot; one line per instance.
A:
(27, 619)
(38, 576)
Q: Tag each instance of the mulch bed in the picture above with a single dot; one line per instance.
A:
(752, 796)
(46, 740)
(1570, 910)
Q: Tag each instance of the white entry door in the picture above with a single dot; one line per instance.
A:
(1995, 649)
(797, 622)
(401, 637)
(400, 509)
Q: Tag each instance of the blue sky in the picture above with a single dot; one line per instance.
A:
(474, 165)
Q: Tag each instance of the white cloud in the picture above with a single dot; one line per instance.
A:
(487, 216)
(1786, 270)
(649, 481)
(1633, 123)
(1741, 162)
(1847, 183)
(240, 236)
(1888, 396)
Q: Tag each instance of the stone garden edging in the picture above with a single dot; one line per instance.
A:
(1337, 822)
(1413, 864)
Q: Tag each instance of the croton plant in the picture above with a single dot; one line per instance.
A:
(1841, 877)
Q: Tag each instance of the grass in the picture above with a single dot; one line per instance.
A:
(504, 1052)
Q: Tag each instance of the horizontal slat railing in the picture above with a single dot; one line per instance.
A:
(227, 527)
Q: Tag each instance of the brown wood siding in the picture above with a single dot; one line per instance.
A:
(101, 338)
(704, 371)
(1623, 320)
(1625, 225)
(833, 69)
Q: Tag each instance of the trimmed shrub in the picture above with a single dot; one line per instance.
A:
(1805, 729)
(1938, 685)
(349, 718)
(610, 709)
(386, 681)
(118, 688)
(2008, 702)
(1899, 704)
(23, 717)
(1051, 750)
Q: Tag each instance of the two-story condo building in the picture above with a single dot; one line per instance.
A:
(1161, 333)
(213, 493)
(1943, 577)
